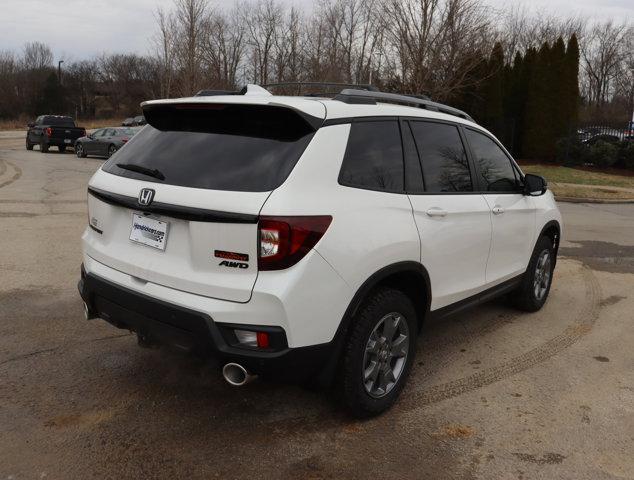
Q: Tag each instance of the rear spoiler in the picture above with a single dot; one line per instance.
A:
(251, 119)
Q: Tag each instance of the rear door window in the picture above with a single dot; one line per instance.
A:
(374, 157)
(249, 148)
(443, 157)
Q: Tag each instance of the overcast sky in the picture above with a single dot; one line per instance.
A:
(77, 29)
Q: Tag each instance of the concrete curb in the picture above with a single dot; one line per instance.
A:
(592, 200)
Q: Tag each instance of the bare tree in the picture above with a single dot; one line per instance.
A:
(190, 17)
(81, 82)
(625, 75)
(437, 44)
(165, 49)
(602, 54)
(288, 51)
(37, 56)
(224, 47)
(263, 20)
(521, 29)
(9, 101)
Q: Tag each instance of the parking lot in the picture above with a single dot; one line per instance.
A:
(495, 393)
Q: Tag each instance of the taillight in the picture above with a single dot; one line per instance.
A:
(284, 241)
(123, 140)
(49, 132)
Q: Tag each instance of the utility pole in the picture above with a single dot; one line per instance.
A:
(59, 71)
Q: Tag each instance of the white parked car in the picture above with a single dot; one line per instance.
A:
(310, 238)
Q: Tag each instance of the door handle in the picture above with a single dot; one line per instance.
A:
(436, 212)
(497, 210)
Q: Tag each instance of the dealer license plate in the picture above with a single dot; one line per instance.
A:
(67, 140)
(149, 231)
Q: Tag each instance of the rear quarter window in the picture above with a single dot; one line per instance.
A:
(374, 157)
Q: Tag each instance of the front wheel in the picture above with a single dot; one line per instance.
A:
(535, 287)
(379, 353)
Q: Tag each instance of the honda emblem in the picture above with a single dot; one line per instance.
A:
(146, 195)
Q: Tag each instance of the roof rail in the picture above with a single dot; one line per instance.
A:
(421, 101)
(299, 85)
(249, 89)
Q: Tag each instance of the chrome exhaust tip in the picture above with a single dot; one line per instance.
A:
(236, 375)
(88, 315)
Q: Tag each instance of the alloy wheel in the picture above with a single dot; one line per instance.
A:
(543, 272)
(385, 355)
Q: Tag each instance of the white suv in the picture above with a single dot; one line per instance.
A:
(309, 238)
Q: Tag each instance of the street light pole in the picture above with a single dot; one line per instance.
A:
(59, 71)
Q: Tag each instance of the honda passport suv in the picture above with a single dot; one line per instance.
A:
(308, 239)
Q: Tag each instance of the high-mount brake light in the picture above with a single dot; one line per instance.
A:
(284, 241)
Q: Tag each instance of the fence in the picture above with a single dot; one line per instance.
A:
(586, 145)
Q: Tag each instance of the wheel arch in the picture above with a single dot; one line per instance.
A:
(552, 230)
(410, 277)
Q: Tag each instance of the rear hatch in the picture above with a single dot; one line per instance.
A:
(178, 205)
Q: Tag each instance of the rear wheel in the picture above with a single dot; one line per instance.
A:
(29, 145)
(533, 292)
(43, 147)
(79, 151)
(379, 353)
(111, 150)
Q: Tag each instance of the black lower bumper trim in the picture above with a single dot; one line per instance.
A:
(164, 323)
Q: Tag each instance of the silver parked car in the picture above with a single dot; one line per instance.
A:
(103, 142)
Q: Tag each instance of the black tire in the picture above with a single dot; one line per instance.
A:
(29, 145)
(43, 147)
(528, 296)
(61, 148)
(111, 150)
(381, 304)
(79, 151)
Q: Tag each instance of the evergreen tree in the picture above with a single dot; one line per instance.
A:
(557, 98)
(537, 120)
(515, 98)
(572, 98)
(492, 112)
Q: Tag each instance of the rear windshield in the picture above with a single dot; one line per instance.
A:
(248, 148)
(59, 121)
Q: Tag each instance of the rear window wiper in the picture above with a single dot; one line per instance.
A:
(150, 172)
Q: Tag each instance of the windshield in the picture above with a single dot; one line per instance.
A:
(250, 148)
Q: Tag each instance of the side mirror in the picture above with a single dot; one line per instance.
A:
(534, 185)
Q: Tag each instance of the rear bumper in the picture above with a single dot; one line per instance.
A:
(165, 323)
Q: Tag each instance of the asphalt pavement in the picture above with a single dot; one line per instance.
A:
(495, 394)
